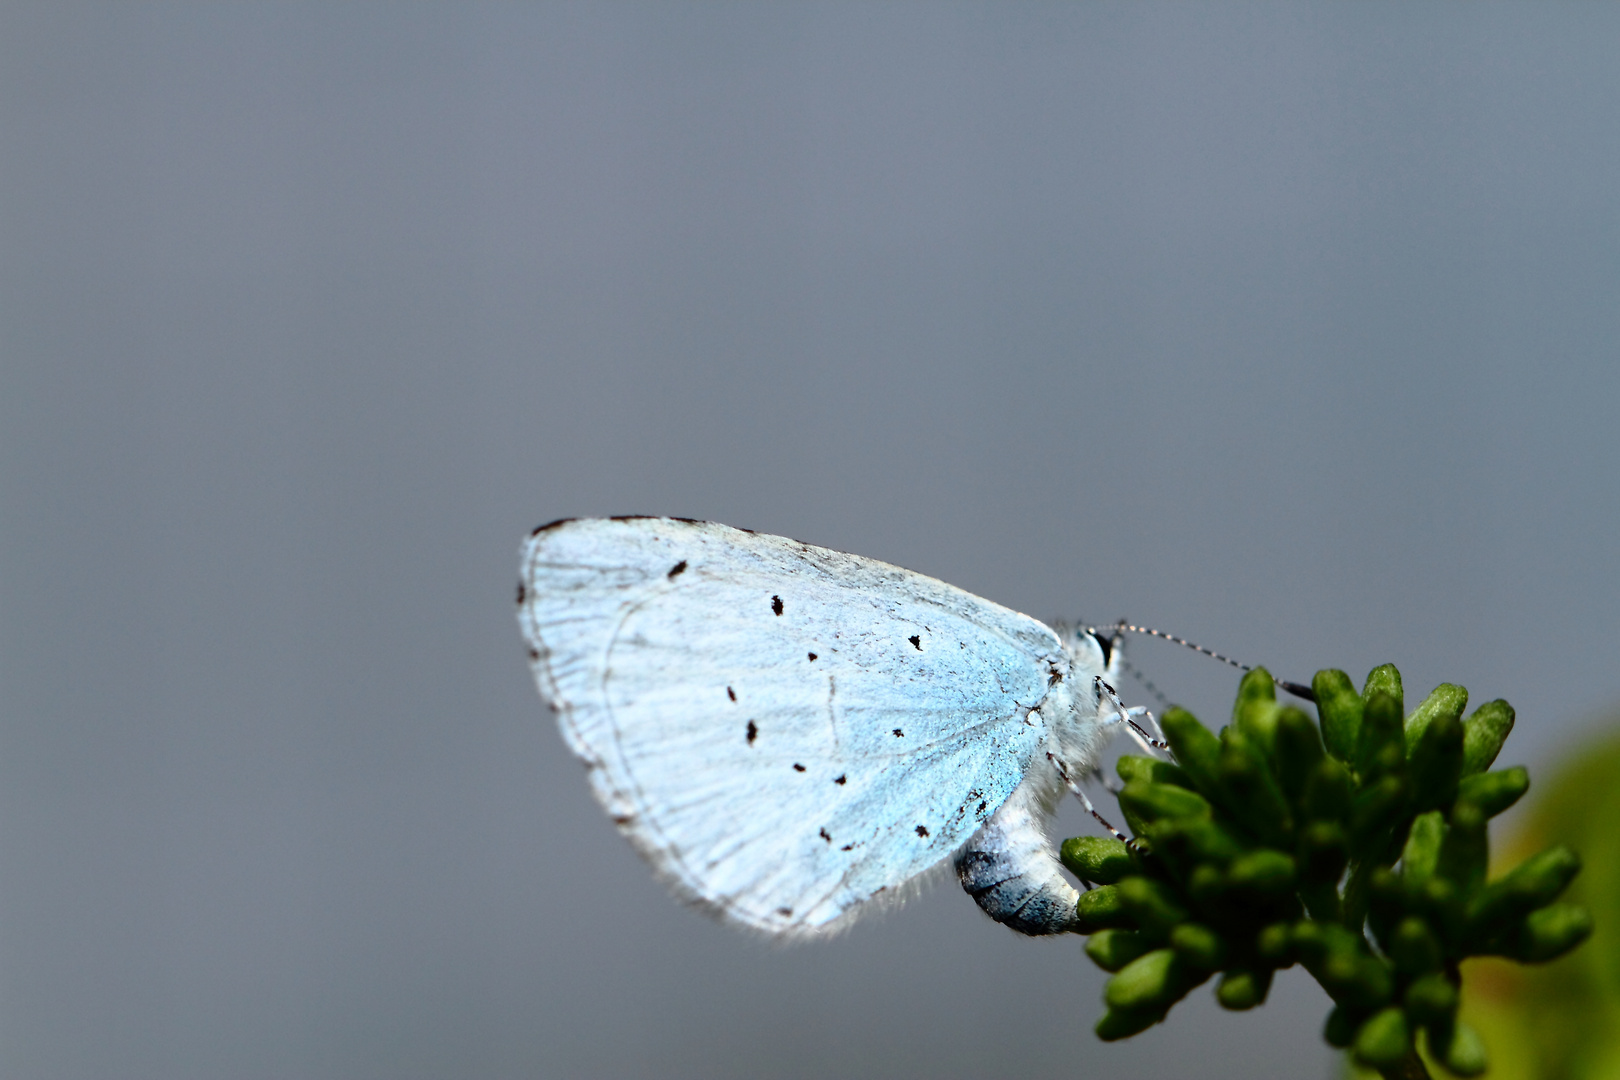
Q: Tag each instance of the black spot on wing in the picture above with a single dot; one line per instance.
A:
(677, 570)
(776, 604)
(534, 654)
(916, 641)
(521, 592)
(753, 732)
(730, 693)
(846, 847)
(825, 836)
(797, 767)
(812, 656)
(840, 779)
(922, 830)
(980, 810)
(784, 911)
(899, 734)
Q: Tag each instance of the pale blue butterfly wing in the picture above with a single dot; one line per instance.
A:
(784, 731)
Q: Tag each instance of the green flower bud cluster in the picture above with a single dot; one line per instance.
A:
(1287, 840)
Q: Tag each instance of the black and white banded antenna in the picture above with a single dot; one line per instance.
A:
(1299, 690)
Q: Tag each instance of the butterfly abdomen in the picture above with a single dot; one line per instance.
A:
(1010, 869)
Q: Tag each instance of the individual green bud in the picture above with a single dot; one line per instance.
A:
(1197, 751)
(1241, 988)
(1297, 750)
(1210, 841)
(1384, 1039)
(1414, 948)
(1337, 958)
(1431, 999)
(1384, 679)
(1202, 948)
(1341, 1027)
(1113, 949)
(1137, 826)
(1262, 871)
(1340, 709)
(1135, 767)
(1275, 944)
(1444, 700)
(1153, 980)
(1328, 790)
(1102, 909)
(1495, 791)
(1119, 1024)
(1383, 746)
(1357, 979)
(1442, 901)
(1323, 851)
(1312, 941)
(1147, 802)
(1152, 905)
(1422, 852)
(1459, 1048)
(1186, 843)
(1484, 732)
(1101, 860)
(1255, 711)
(1530, 885)
(1256, 800)
(1435, 760)
(1465, 851)
(1549, 933)
(1206, 884)
(1374, 809)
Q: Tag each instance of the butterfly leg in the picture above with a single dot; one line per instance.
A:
(1080, 794)
(1129, 717)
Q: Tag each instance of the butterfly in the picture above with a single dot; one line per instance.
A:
(793, 735)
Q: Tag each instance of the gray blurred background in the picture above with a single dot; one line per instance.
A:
(1292, 329)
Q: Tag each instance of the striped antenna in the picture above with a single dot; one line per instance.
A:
(1305, 693)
